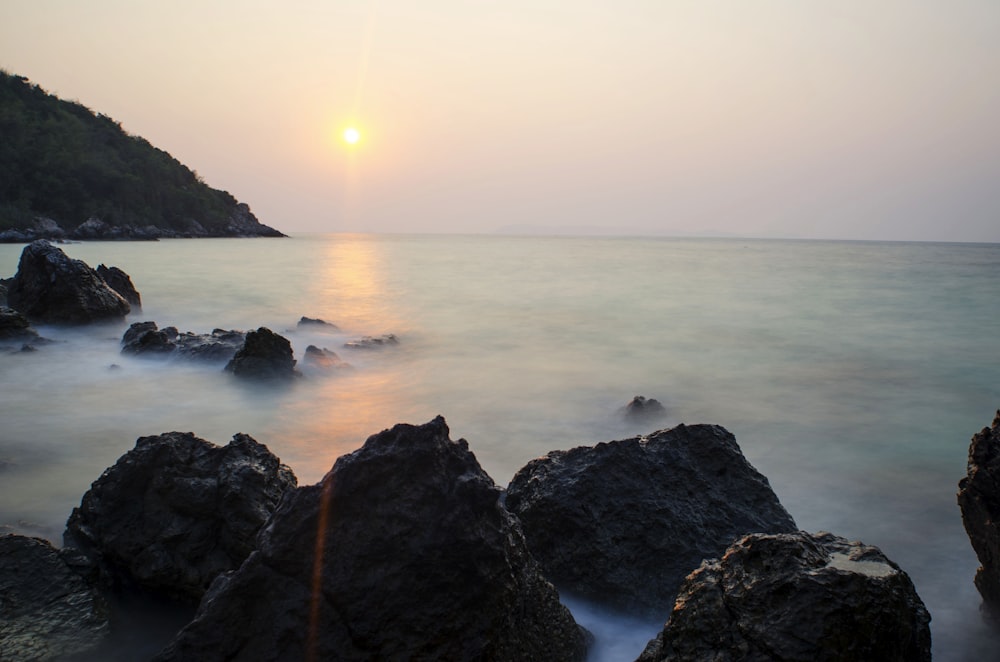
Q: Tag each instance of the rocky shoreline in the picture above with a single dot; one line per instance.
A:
(408, 549)
(241, 223)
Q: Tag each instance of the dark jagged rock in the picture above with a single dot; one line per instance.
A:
(176, 511)
(52, 288)
(120, 282)
(623, 522)
(372, 342)
(47, 611)
(323, 360)
(315, 323)
(14, 327)
(242, 223)
(796, 597)
(642, 409)
(264, 355)
(416, 558)
(979, 500)
(145, 339)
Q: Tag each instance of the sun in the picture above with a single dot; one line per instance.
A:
(351, 135)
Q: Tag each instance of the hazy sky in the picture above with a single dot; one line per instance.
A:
(866, 119)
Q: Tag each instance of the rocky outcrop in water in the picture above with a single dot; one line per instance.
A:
(52, 288)
(121, 283)
(623, 522)
(644, 410)
(979, 500)
(47, 611)
(174, 512)
(14, 327)
(403, 551)
(315, 324)
(323, 360)
(146, 339)
(372, 342)
(796, 597)
(265, 355)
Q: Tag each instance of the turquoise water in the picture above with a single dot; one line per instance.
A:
(853, 374)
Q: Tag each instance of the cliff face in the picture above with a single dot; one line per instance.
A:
(69, 173)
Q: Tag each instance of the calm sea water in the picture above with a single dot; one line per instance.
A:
(852, 374)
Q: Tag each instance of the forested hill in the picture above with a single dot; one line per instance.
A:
(67, 172)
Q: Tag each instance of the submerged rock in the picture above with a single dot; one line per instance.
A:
(796, 597)
(120, 282)
(323, 360)
(264, 355)
(403, 551)
(14, 327)
(52, 288)
(176, 511)
(47, 611)
(623, 522)
(145, 339)
(979, 500)
(372, 342)
(316, 323)
(642, 410)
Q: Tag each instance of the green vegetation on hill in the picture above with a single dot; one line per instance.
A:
(60, 160)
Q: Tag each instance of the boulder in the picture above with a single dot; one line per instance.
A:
(264, 355)
(47, 611)
(52, 288)
(796, 597)
(403, 551)
(623, 522)
(146, 339)
(372, 342)
(120, 282)
(643, 410)
(174, 512)
(979, 500)
(14, 327)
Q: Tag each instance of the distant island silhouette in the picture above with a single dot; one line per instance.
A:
(67, 172)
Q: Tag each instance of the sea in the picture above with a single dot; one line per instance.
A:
(852, 374)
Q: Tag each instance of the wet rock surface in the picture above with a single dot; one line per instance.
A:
(47, 611)
(175, 512)
(52, 288)
(265, 355)
(979, 500)
(403, 551)
(796, 597)
(623, 522)
(323, 360)
(316, 324)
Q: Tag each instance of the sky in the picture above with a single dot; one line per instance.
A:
(855, 119)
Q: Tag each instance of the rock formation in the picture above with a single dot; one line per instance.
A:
(796, 597)
(315, 323)
(642, 410)
(47, 611)
(145, 339)
(623, 522)
(323, 360)
(176, 511)
(979, 499)
(14, 327)
(50, 287)
(403, 551)
(120, 282)
(264, 355)
(372, 342)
